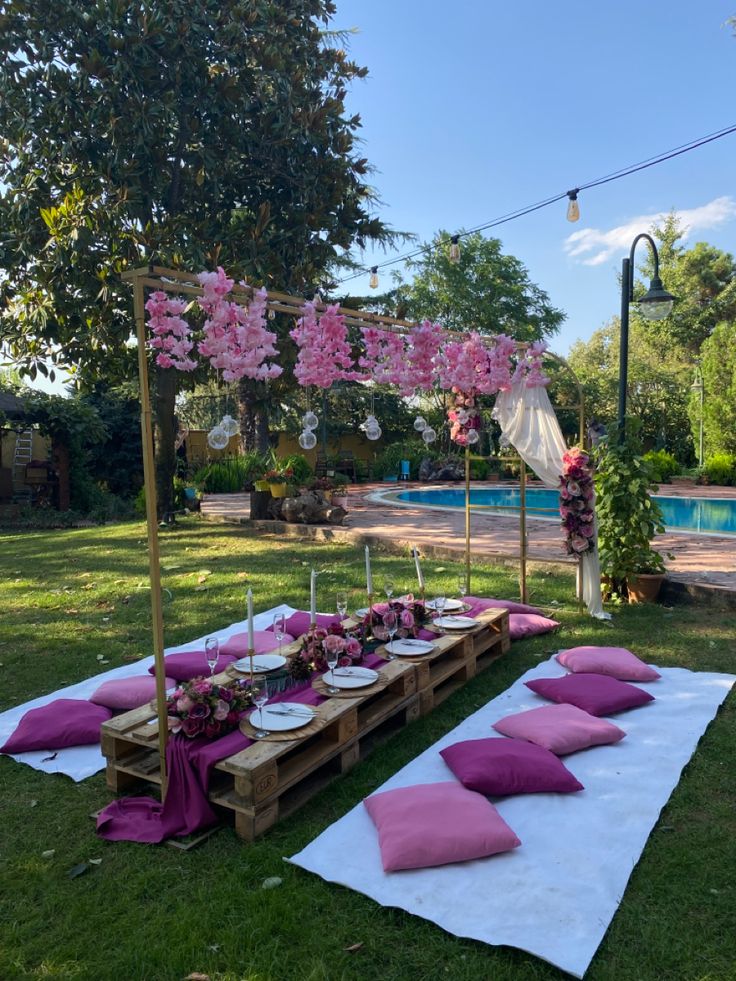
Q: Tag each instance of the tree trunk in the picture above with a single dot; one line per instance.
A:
(165, 439)
(253, 416)
(60, 456)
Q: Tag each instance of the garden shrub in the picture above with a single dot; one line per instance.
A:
(662, 465)
(719, 469)
(302, 472)
(231, 474)
(388, 463)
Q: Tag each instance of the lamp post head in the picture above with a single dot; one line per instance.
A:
(657, 303)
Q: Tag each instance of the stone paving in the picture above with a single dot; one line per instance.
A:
(696, 558)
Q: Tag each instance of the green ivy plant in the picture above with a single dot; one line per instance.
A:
(628, 518)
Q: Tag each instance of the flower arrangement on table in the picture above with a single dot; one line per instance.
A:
(317, 643)
(411, 614)
(202, 708)
(576, 502)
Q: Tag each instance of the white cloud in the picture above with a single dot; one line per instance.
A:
(592, 246)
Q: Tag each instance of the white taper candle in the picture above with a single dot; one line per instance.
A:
(249, 595)
(368, 576)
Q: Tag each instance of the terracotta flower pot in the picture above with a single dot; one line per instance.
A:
(644, 586)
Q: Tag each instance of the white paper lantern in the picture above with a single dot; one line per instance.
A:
(229, 425)
(429, 435)
(373, 432)
(473, 436)
(310, 420)
(218, 438)
(307, 440)
(420, 424)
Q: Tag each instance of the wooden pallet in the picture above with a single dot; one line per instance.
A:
(268, 780)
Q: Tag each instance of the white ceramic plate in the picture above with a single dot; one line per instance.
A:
(455, 623)
(283, 716)
(261, 663)
(450, 604)
(409, 648)
(350, 677)
(362, 613)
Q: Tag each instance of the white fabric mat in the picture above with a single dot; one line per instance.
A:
(80, 762)
(556, 894)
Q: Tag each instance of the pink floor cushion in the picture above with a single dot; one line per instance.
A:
(63, 722)
(436, 824)
(559, 728)
(263, 642)
(298, 623)
(128, 693)
(192, 664)
(529, 625)
(616, 662)
(488, 603)
(500, 767)
(594, 693)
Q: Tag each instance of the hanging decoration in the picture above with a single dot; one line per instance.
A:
(371, 426)
(324, 351)
(420, 424)
(171, 333)
(217, 438)
(529, 367)
(429, 435)
(229, 425)
(577, 495)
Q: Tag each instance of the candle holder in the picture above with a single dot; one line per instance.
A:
(423, 594)
(251, 655)
(370, 612)
(312, 626)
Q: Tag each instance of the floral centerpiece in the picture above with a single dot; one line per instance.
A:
(412, 615)
(576, 502)
(315, 646)
(202, 708)
(278, 475)
(464, 418)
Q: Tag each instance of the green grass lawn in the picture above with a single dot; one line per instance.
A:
(68, 598)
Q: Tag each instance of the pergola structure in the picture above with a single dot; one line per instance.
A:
(184, 283)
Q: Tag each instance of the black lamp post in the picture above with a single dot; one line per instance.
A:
(656, 304)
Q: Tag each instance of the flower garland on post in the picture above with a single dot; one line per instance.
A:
(576, 502)
(171, 332)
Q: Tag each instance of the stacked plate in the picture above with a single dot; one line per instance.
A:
(354, 677)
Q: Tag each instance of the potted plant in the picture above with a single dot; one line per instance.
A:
(278, 478)
(628, 520)
(340, 491)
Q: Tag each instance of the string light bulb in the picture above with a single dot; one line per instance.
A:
(573, 208)
(454, 249)
(373, 282)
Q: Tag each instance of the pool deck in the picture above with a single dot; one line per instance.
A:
(697, 559)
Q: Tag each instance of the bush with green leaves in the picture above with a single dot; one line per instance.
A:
(388, 463)
(662, 465)
(719, 469)
(628, 517)
(302, 471)
(230, 475)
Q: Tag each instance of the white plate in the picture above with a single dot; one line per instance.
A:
(409, 648)
(261, 663)
(455, 623)
(350, 677)
(450, 604)
(295, 715)
(362, 613)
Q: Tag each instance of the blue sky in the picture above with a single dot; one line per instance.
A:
(472, 109)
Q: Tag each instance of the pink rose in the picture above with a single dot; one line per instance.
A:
(407, 619)
(579, 544)
(353, 647)
(184, 704)
(573, 488)
(221, 710)
(192, 727)
(333, 644)
(199, 711)
(202, 687)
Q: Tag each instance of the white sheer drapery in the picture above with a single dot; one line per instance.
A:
(528, 421)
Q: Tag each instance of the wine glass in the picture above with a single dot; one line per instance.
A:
(279, 628)
(341, 604)
(212, 653)
(391, 623)
(332, 657)
(461, 589)
(439, 606)
(388, 587)
(260, 694)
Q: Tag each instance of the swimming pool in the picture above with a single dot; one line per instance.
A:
(709, 515)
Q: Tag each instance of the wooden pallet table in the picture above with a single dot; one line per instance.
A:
(269, 779)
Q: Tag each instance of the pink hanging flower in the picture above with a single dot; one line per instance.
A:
(171, 333)
(529, 367)
(324, 352)
(576, 502)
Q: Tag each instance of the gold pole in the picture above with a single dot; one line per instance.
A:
(154, 571)
(467, 520)
(251, 652)
(522, 531)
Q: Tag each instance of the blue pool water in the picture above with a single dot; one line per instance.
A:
(680, 513)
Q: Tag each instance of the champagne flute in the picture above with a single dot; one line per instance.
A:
(279, 628)
(260, 695)
(332, 657)
(391, 623)
(341, 604)
(212, 653)
(439, 606)
(388, 587)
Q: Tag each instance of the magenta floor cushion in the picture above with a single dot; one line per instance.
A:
(263, 642)
(436, 824)
(128, 693)
(298, 623)
(616, 662)
(594, 693)
(499, 767)
(529, 625)
(489, 603)
(191, 664)
(559, 728)
(63, 722)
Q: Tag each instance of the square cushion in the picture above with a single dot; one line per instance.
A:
(63, 722)
(263, 642)
(479, 603)
(559, 728)
(529, 625)
(594, 693)
(192, 664)
(436, 824)
(298, 623)
(128, 693)
(508, 766)
(616, 662)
